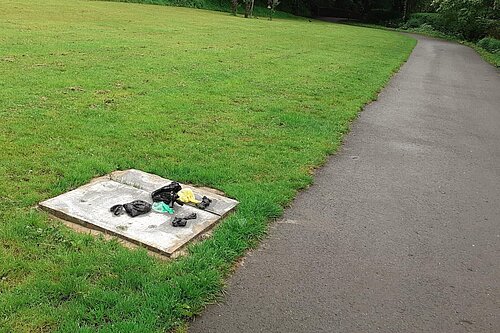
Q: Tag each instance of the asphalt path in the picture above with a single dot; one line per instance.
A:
(401, 230)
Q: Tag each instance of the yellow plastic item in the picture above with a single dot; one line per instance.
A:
(186, 195)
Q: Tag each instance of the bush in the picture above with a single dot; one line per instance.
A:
(470, 19)
(474, 29)
(425, 28)
(490, 44)
(416, 20)
(494, 29)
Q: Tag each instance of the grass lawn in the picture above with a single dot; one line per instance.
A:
(246, 106)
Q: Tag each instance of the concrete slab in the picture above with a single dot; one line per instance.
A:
(89, 206)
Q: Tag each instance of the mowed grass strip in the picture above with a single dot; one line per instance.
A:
(246, 106)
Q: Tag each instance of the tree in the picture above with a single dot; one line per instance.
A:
(271, 5)
(234, 7)
(248, 8)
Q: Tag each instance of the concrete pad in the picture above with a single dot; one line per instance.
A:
(89, 206)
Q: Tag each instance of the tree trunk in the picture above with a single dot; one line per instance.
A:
(251, 9)
(234, 6)
(248, 5)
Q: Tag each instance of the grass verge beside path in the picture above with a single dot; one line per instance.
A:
(246, 106)
(492, 58)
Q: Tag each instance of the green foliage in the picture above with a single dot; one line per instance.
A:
(490, 44)
(429, 19)
(469, 27)
(246, 106)
(494, 28)
(422, 6)
(469, 19)
(426, 29)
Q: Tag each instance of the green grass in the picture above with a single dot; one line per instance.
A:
(490, 57)
(250, 107)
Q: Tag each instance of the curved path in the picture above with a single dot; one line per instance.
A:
(401, 230)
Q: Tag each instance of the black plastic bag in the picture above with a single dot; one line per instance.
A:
(168, 194)
(133, 209)
(182, 221)
(205, 202)
(137, 207)
(178, 222)
(117, 210)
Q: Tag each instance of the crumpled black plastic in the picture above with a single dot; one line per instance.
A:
(168, 194)
(133, 209)
(117, 210)
(205, 202)
(137, 207)
(182, 221)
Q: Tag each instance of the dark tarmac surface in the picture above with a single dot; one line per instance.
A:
(401, 230)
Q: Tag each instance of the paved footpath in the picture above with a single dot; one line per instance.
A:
(401, 230)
